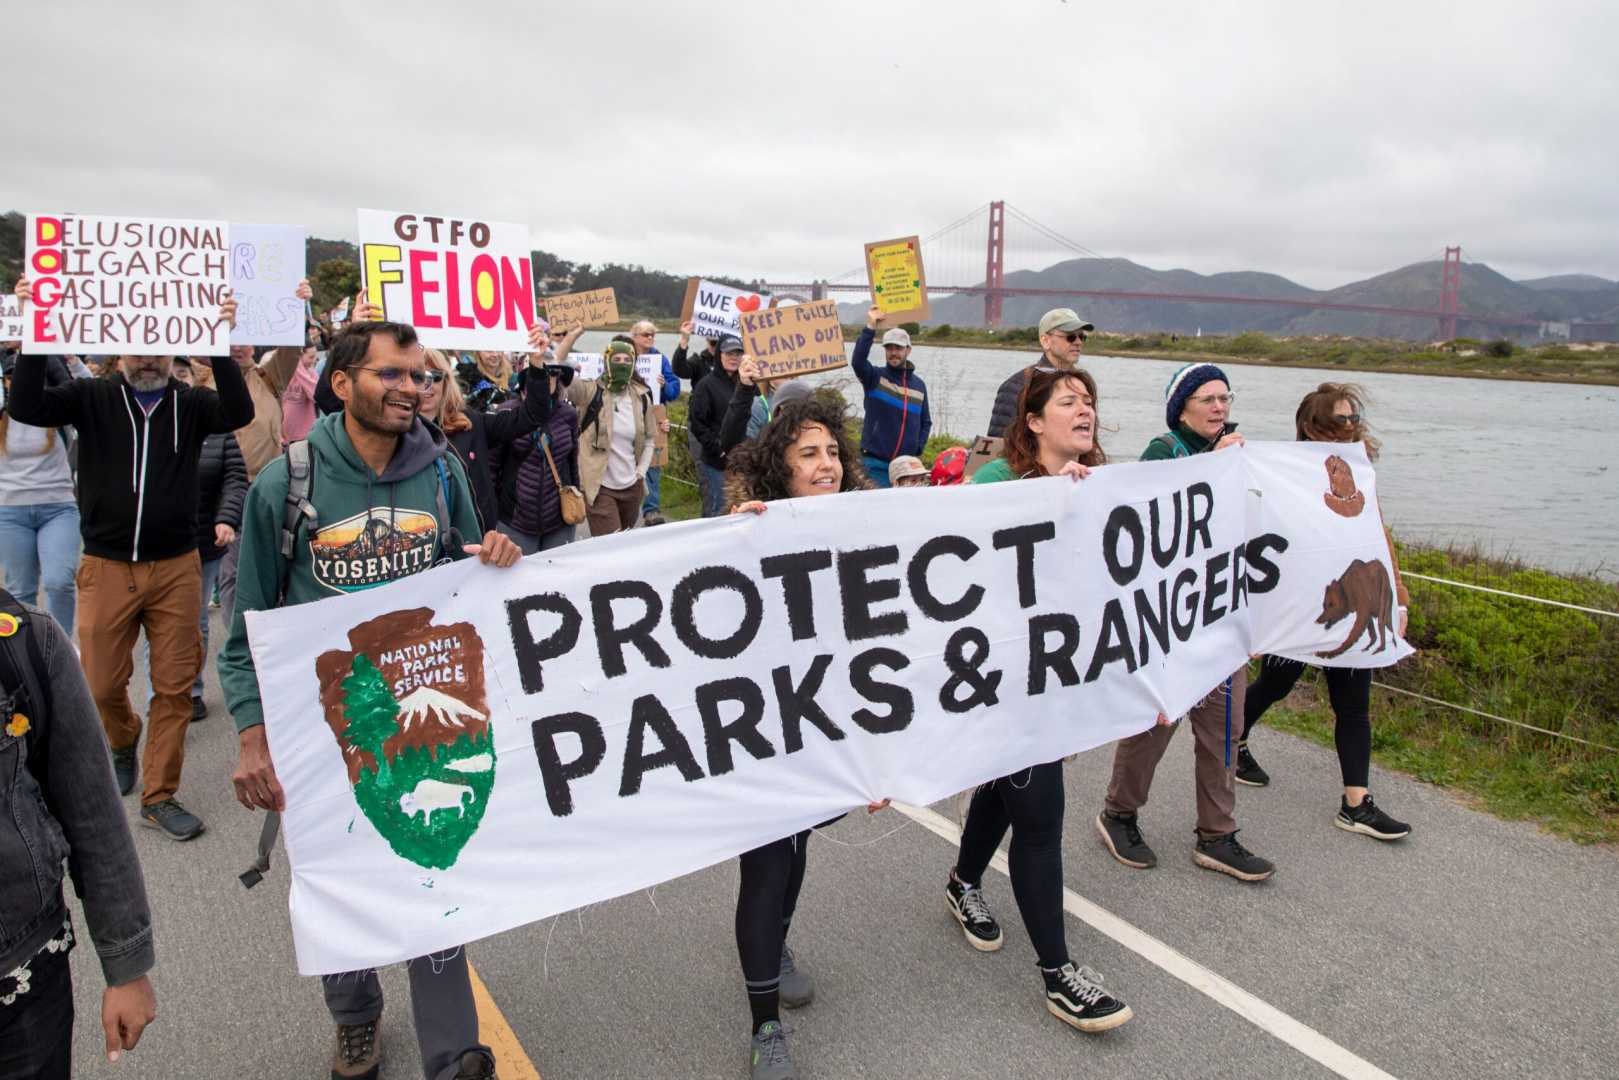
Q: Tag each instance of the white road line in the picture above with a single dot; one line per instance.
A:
(1266, 1017)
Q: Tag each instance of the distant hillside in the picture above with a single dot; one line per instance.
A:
(1483, 291)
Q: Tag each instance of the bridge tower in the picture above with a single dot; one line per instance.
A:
(995, 264)
(1450, 294)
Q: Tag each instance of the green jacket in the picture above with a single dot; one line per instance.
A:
(1182, 442)
(372, 530)
(994, 472)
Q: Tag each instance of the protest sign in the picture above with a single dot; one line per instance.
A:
(474, 749)
(126, 286)
(714, 309)
(795, 340)
(587, 365)
(266, 264)
(594, 307)
(650, 367)
(462, 283)
(898, 285)
(10, 318)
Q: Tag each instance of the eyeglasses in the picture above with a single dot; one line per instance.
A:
(435, 377)
(393, 376)
(1212, 399)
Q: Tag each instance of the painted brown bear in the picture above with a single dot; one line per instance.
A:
(1342, 496)
(1365, 593)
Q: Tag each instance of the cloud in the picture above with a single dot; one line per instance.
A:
(1322, 141)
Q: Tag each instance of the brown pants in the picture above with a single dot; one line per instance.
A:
(1136, 759)
(116, 601)
(615, 508)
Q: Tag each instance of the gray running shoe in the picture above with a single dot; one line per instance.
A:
(770, 1060)
(1121, 835)
(797, 988)
(1226, 855)
(172, 820)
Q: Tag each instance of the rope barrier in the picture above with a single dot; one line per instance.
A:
(1492, 716)
(1513, 595)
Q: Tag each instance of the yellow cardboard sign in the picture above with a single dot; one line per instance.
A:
(898, 285)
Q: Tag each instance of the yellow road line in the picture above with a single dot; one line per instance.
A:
(511, 1062)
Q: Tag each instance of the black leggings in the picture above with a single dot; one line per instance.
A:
(1030, 803)
(1349, 690)
(771, 878)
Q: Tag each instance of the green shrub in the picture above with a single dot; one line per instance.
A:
(1500, 348)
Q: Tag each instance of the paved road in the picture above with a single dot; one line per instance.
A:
(1478, 948)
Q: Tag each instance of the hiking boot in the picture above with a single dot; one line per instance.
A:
(770, 1060)
(172, 819)
(1225, 854)
(476, 1065)
(358, 1055)
(797, 988)
(1248, 770)
(1122, 837)
(1075, 996)
(653, 518)
(971, 910)
(199, 711)
(1367, 818)
(123, 769)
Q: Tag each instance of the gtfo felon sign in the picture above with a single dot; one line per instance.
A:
(797, 340)
(462, 283)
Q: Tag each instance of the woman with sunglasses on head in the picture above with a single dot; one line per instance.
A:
(478, 438)
(1332, 412)
(1053, 434)
(1197, 410)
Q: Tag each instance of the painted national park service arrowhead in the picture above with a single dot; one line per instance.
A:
(408, 706)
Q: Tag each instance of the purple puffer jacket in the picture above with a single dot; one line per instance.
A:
(536, 506)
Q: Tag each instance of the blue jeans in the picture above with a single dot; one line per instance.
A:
(713, 490)
(210, 578)
(877, 469)
(42, 541)
(653, 500)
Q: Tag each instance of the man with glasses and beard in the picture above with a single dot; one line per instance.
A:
(380, 473)
(140, 435)
(1062, 339)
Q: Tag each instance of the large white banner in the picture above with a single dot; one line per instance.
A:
(463, 283)
(126, 286)
(474, 749)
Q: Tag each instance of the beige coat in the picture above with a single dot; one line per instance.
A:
(595, 443)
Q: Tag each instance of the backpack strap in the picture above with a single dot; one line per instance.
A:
(1170, 441)
(297, 508)
(453, 541)
(592, 411)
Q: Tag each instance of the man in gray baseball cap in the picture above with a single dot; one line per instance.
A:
(1062, 339)
(898, 418)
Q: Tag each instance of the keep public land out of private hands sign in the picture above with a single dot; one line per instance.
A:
(473, 749)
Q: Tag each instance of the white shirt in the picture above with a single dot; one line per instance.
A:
(621, 464)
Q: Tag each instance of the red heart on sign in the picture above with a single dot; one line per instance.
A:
(747, 303)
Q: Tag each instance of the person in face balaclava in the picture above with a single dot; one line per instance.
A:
(620, 361)
(615, 442)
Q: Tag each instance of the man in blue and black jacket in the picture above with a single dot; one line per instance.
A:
(897, 416)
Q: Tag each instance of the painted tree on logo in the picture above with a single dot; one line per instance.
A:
(370, 711)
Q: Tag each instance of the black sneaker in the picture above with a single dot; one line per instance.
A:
(123, 769)
(475, 1065)
(1225, 854)
(172, 819)
(1122, 836)
(199, 710)
(1075, 996)
(358, 1055)
(1248, 770)
(971, 910)
(1367, 818)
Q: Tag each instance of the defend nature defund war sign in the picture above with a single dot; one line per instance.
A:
(475, 749)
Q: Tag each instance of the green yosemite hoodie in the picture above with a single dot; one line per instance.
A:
(372, 530)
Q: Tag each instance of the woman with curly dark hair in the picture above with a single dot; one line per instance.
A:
(1052, 433)
(1332, 412)
(804, 451)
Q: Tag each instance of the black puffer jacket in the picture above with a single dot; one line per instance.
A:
(221, 488)
(1005, 408)
(483, 445)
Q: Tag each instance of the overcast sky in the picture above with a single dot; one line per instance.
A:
(1324, 141)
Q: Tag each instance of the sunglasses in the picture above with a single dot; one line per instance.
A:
(1352, 419)
(1072, 337)
(393, 376)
